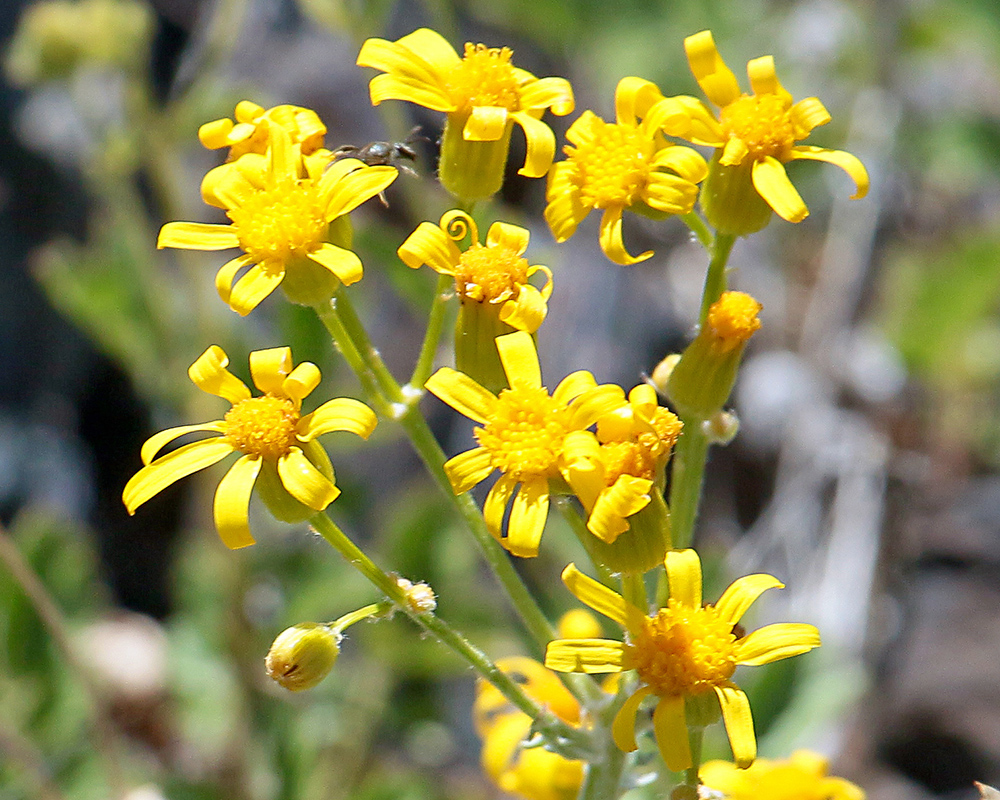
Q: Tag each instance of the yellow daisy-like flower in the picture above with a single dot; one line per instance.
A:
(685, 651)
(251, 130)
(801, 777)
(524, 434)
(759, 130)
(292, 228)
(277, 442)
(483, 95)
(495, 274)
(625, 165)
(614, 474)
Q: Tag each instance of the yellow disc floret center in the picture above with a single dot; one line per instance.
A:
(484, 77)
(490, 273)
(262, 426)
(762, 122)
(525, 433)
(733, 319)
(612, 165)
(683, 650)
(281, 222)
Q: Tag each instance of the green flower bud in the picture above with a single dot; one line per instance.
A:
(303, 655)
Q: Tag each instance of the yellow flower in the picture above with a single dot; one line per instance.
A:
(251, 132)
(277, 442)
(625, 165)
(758, 131)
(483, 95)
(495, 274)
(614, 474)
(524, 434)
(685, 652)
(534, 772)
(801, 777)
(292, 227)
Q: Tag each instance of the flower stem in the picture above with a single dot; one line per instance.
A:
(698, 227)
(373, 610)
(715, 278)
(686, 476)
(572, 516)
(695, 737)
(435, 327)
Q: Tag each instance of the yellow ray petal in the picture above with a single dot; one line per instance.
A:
(343, 263)
(269, 367)
(469, 468)
(252, 288)
(734, 151)
(485, 124)
(716, 80)
(462, 393)
(355, 188)
(684, 574)
(628, 495)
(686, 118)
(809, 113)
(739, 724)
(393, 87)
(685, 161)
(511, 237)
(432, 48)
(573, 385)
(771, 182)
(596, 595)
(406, 57)
(227, 274)
(546, 289)
(592, 656)
(670, 194)
(594, 404)
(496, 505)
(742, 593)
(541, 145)
(158, 441)
(527, 312)
(339, 414)
(610, 237)
(847, 162)
(774, 642)
(232, 501)
(430, 245)
(564, 212)
(623, 726)
(154, 478)
(209, 374)
(520, 360)
(633, 99)
(764, 78)
(197, 236)
(304, 482)
(671, 733)
(300, 382)
(527, 518)
(554, 93)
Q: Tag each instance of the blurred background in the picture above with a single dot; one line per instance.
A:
(864, 476)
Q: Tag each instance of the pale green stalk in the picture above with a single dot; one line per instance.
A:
(432, 337)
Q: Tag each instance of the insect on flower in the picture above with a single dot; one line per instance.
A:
(385, 154)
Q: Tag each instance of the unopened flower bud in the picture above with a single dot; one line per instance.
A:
(721, 428)
(303, 655)
(420, 597)
(661, 372)
(578, 623)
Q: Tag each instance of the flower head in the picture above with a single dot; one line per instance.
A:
(251, 132)
(801, 777)
(289, 218)
(524, 434)
(759, 130)
(302, 655)
(683, 652)
(275, 440)
(625, 165)
(482, 93)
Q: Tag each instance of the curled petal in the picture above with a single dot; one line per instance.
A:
(733, 153)
(809, 113)
(227, 274)
(671, 733)
(670, 194)
(154, 478)
(628, 495)
(684, 573)
(209, 374)
(520, 360)
(430, 245)
(268, 368)
(592, 656)
(485, 124)
(197, 236)
(596, 595)
(300, 382)
(510, 237)
(716, 80)
(775, 642)
(685, 161)
(304, 482)
(339, 414)
(564, 212)
(633, 99)
(462, 393)
(764, 78)
(686, 118)
(541, 145)
(610, 237)
(232, 501)
(469, 468)
(343, 263)
(496, 505)
(526, 312)
(739, 724)
(546, 290)
(250, 290)
(771, 182)
(847, 162)
(742, 593)
(158, 441)
(527, 518)
(554, 93)
(592, 405)
(623, 726)
(573, 385)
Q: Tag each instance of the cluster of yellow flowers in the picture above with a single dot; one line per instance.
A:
(288, 199)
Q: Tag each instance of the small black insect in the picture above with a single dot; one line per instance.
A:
(385, 154)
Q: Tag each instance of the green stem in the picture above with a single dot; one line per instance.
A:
(373, 610)
(353, 554)
(435, 327)
(715, 278)
(695, 736)
(604, 774)
(701, 230)
(344, 309)
(687, 473)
